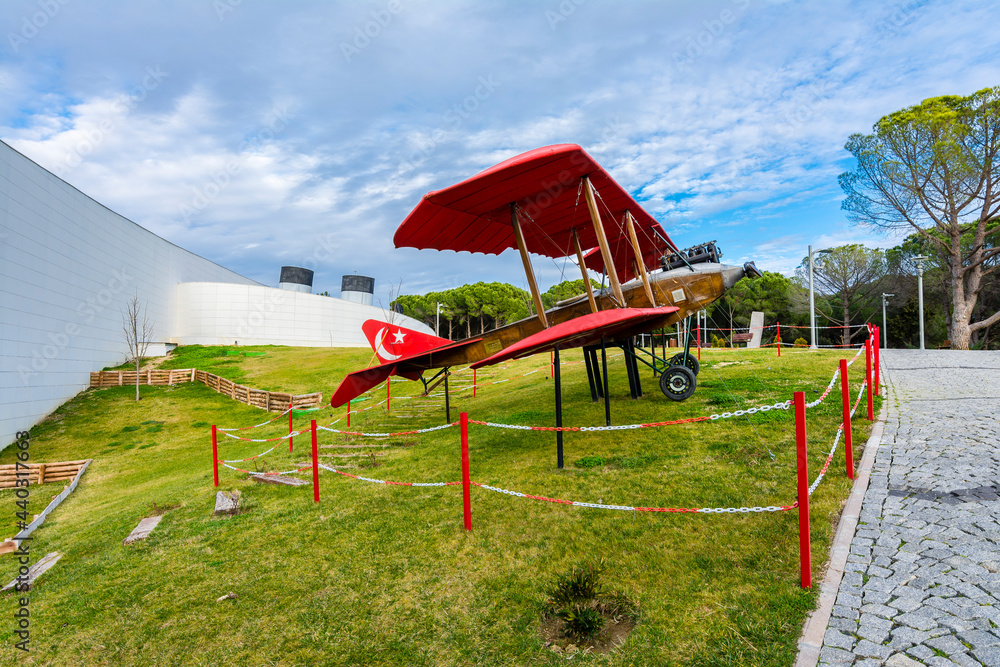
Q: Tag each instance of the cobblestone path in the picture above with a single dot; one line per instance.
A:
(922, 583)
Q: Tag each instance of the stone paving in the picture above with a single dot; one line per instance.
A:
(922, 582)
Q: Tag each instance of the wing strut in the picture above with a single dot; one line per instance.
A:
(529, 273)
(602, 240)
(641, 270)
(583, 270)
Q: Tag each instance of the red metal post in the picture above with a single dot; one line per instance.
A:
(699, 342)
(290, 429)
(805, 552)
(466, 493)
(552, 366)
(848, 446)
(474, 371)
(348, 412)
(779, 339)
(878, 350)
(868, 379)
(312, 427)
(215, 456)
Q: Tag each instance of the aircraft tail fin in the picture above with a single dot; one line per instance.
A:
(391, 341)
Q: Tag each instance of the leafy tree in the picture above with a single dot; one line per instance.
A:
(935, 167)
(850, 278)
(770, 294)
(566, 290)
(492, 305)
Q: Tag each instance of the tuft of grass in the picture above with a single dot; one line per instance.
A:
(580, 585)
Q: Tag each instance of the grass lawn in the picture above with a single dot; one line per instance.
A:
(379, 574)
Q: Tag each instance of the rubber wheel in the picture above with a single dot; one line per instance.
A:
(692, 362)
(678, 383)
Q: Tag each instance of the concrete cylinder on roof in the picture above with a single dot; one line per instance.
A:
(358, 289)
(296, 279)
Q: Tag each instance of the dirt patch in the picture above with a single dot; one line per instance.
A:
(612, 635)
(156, 510)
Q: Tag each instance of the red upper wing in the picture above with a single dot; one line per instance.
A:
(474, 215)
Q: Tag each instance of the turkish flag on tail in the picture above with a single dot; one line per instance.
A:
(391, 341)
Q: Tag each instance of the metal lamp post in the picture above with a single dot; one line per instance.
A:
(920, 294)
(437, 320)
(812, 304)
(885, 325)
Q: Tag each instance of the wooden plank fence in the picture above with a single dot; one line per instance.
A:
(272, 401)
(40, 473)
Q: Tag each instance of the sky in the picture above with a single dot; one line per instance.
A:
(261, 134)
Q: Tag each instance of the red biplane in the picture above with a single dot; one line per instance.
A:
(557, 202)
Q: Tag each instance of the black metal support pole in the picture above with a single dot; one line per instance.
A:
(598, 382)
(447, 401)
(559, 423)
(687, 338)
(629, 369)
(664, 331)
(635, 368)
(604, 363)
(591, 367)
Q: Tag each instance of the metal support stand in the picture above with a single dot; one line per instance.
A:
(559, 422)
(629, 361)
(447, 399)
(604, 364)
(687, 338)
(590, 359)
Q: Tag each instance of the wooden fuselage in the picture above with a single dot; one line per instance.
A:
(689, 291)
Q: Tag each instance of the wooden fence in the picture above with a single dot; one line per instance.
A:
(127, 378)
(40, 473)
(274, 401)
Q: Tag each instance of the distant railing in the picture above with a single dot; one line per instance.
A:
(272, 401)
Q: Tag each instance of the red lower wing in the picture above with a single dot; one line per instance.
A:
(585, 330)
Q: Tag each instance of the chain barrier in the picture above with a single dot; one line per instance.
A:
(245, 428)
(278, 439)
(576, 503)
(264, 474)
(387, 435)
(836, 441)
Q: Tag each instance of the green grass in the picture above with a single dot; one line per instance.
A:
(380, 574)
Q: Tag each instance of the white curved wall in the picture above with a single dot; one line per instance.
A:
(221, 314)
(67, 267)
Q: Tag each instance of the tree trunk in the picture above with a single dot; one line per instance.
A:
(138, 361)
(845, 336)
(961, 308)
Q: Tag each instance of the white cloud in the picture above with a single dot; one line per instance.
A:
(734, 140)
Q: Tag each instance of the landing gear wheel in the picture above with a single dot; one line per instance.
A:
(677, 383)
(692, 362)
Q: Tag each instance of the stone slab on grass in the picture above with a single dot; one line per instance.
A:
(143, 530)
(227, 503)
(279, 479)
(36, 570)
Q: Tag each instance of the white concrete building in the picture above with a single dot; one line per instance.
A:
(68, 265)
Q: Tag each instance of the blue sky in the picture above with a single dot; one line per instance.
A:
(260, 134)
